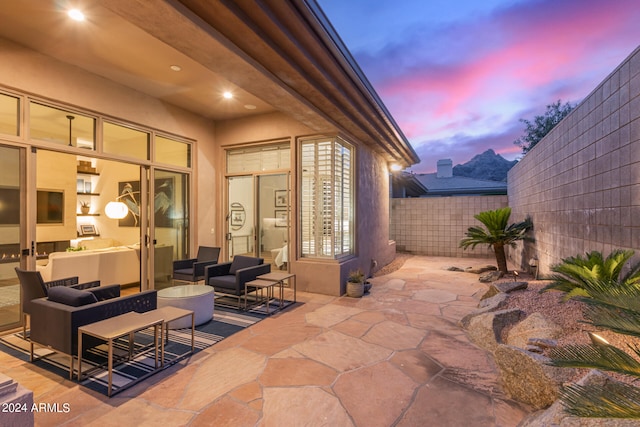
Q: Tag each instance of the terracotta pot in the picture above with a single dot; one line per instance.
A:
(85, 209)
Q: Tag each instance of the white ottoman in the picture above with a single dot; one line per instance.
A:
(197, 298)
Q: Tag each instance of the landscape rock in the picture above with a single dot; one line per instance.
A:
(495, 302)
(543, 343)
(534, 326)
(556, 417)
(491, 276)
(506, 287)
(480, 270)
(527, 378)
(485, 329)
(454, 268)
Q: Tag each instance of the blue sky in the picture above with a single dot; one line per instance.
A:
(458, 76)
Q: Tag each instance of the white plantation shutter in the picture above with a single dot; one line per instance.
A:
(326, 198)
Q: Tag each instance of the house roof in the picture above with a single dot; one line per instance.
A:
(460, 185)
(273, 55)
(406, 184)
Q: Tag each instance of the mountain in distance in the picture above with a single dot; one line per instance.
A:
(488, 165)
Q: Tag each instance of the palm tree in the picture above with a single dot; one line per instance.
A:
(612, 302)
(575, 275)
(497, 233)
(614, 306)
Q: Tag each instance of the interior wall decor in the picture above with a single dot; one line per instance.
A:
(50, 207)
(164, 203)
(9, 206)
(282, 218)
(281, 198)
(237, 216)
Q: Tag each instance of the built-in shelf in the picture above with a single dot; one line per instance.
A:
(88, 173)
(89, 214)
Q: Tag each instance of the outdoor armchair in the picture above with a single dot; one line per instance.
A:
(192, 270)
(33, 287)
(229, 278)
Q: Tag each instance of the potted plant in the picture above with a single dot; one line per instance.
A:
(355, 284)
(84, 207)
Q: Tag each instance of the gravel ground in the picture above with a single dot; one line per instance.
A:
(568, 316)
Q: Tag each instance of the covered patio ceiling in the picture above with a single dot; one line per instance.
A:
(272, 56)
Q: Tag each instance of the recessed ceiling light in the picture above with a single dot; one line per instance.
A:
(75, 14)
(227, 95)
(250, 107)
(176, 68)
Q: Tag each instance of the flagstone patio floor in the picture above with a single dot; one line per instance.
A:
(395, 357)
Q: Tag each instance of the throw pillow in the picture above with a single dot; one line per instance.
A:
(70, 296)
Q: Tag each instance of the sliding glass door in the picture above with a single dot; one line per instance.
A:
(273, 219)
(12, 233)
(241, 216)
(258, 217)
(170, 214)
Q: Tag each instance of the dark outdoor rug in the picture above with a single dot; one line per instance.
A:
(225, 323)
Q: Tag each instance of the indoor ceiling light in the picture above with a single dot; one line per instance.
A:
(116, 210)
(227, 95)
(76, 15)
(250, 107)
(176, 68)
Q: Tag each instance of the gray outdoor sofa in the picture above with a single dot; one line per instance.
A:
(55, 324)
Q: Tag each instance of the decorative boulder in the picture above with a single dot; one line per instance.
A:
(506, 287)
(556, 416)
(485, 330)
(527, 378)
(491, 276)
(534, 326)
(480, 270)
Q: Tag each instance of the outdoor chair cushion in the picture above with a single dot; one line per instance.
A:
(70, 296)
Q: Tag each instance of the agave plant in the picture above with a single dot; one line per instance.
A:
(575, 275)
(612, 305)
(497, 233)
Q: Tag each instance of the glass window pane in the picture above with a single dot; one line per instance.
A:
(257, 159)
(172, 152)
(62, 127)
(9, 115)
(125, 141)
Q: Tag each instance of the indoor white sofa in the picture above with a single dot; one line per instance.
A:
(102, 260)
(115, 265)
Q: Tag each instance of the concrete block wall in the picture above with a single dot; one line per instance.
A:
(581, 183)
(434, 226)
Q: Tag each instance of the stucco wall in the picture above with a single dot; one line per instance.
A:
(46, 77)
(581, 183)
(435, 225)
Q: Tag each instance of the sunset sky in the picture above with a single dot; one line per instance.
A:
(458, 75)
